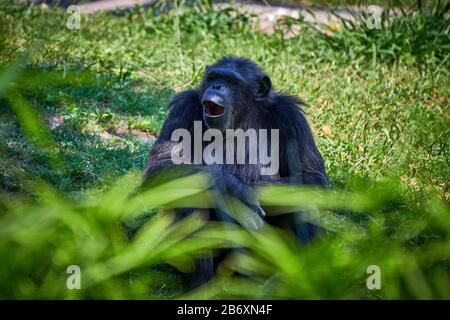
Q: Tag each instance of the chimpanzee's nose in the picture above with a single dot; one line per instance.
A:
(216, 86)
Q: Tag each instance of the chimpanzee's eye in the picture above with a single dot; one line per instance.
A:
(211, 77)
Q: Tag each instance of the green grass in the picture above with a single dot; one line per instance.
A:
(385, 3)
(387, 112)
(377, 103)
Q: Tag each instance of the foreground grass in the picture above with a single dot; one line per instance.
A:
(377, 102)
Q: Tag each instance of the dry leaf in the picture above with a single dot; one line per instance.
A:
(326, 131)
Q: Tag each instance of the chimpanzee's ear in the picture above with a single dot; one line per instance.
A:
(264, 88)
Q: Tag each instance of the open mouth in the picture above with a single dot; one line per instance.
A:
(213, 109)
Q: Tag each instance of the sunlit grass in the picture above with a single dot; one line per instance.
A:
(377, 103)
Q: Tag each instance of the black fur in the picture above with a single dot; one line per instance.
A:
(300, 160)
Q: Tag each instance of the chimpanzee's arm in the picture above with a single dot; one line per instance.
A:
(301, 161)
(185, 108)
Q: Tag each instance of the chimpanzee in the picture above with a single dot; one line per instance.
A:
(235, 94)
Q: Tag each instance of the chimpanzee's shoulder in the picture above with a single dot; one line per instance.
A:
(281, 99)
(185, 98)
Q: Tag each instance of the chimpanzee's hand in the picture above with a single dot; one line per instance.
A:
(227, 183)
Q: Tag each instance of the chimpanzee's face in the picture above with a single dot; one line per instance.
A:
(228, 95)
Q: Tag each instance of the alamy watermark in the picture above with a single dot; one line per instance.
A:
(73, 281)
(241, 147)
(74, 20)
(373, 18)
(373, 282)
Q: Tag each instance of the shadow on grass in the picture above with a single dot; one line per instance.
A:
(102, 131)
